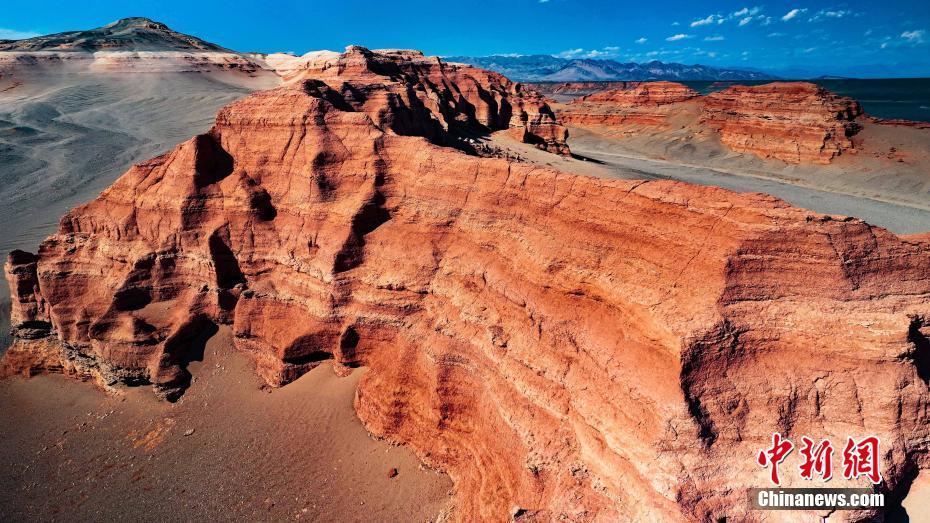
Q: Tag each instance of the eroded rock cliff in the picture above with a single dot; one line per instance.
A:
(630, 107)
(795, 122)
(566, 348)
(424, 96)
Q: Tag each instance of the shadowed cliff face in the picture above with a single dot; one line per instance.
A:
(564, 347)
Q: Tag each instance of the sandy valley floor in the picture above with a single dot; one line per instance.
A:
(64, 137)
(227, 450)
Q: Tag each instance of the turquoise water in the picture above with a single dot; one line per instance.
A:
(907, 98)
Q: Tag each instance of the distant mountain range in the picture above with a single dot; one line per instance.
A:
(135, 34)
(143, 34)
(546, 68)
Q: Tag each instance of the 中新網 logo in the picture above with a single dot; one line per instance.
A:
(860, 458)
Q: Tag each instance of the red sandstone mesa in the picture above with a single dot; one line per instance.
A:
(794, 122)
(648, 93)
(579, 88)
(634, 105)
(566, 348)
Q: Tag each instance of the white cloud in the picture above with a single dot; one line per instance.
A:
(712, 54)
(840, 13)
(792, 14)
(775, 35)
(571, 53)
(745, 15)
(751, 11)
(716, 38)
(641, 40)
(809, 50)
(710, 19)
(675, 24)
(13, 34)
(832, 13)
(543, 1)
(914, 37)
(611, 48)
(679, 36)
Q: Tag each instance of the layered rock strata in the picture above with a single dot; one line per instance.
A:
(640, 104)
(566, 348)
(648, 93)
(795, 122)
(579, 88)
(426, 96)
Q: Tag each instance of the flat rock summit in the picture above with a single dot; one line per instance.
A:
(566, 348)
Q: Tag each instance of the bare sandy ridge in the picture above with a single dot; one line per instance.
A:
(66, 135)
(72, 453)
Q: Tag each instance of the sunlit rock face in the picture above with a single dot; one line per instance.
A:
(795, 122)
(631, 107)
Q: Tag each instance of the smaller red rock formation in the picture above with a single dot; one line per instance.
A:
(900, 121)
(579, 88)
(636, 104)
(644, 94)
(796, 122)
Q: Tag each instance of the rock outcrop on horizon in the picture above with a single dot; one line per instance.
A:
(646, 93)
(566, 348)
(575, 89)
(635, 104)
(796, 122)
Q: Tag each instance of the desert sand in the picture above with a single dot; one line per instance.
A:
(66, 135)
(71, 452)
(602, 156)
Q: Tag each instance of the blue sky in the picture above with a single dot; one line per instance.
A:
(850, 38)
